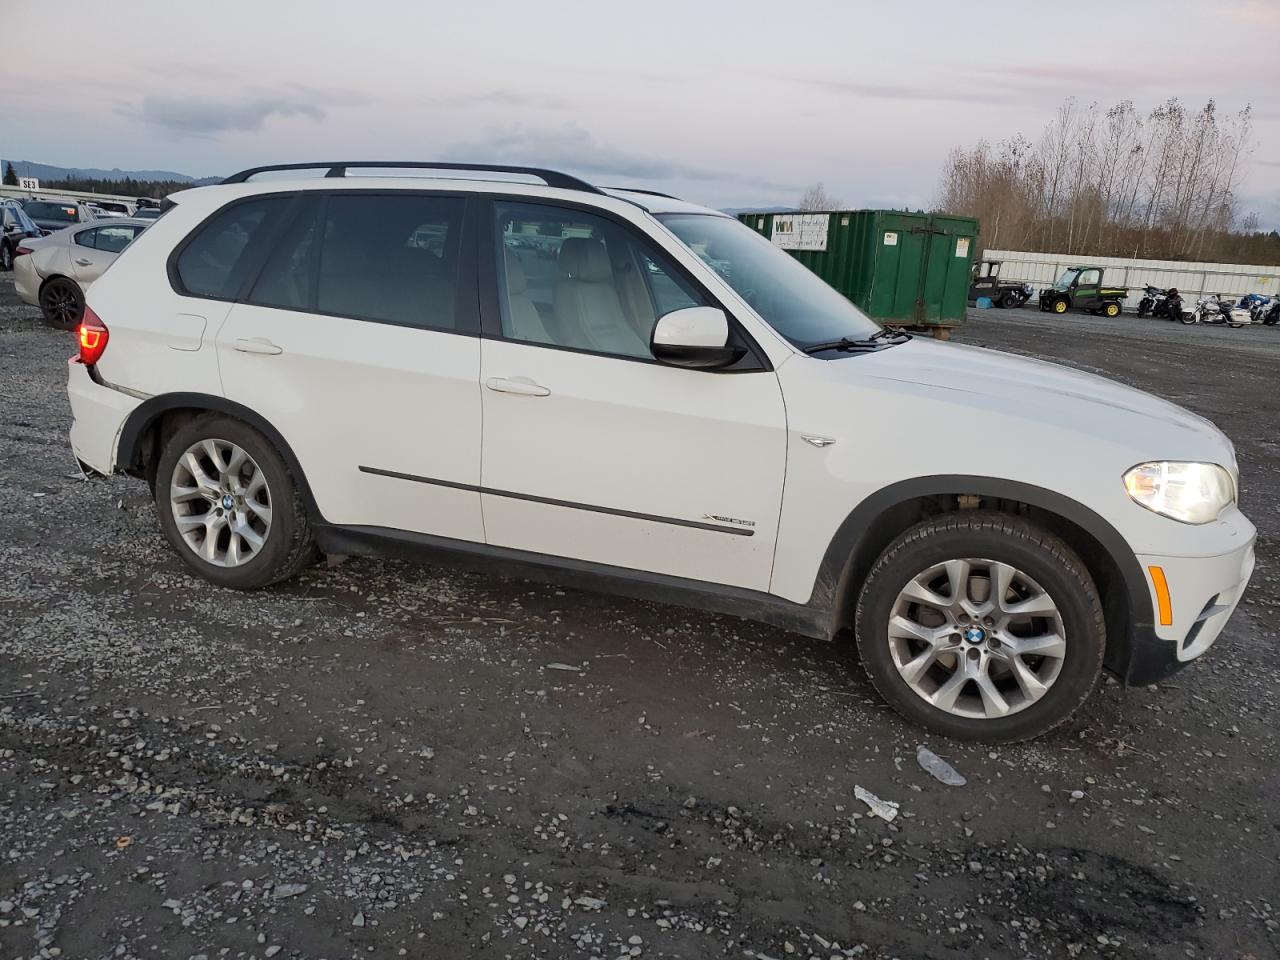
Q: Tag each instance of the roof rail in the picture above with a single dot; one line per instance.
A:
(648, 193)
(551, 178)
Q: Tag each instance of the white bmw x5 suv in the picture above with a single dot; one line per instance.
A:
(637, 394)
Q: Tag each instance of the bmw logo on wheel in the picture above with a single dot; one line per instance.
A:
(975, 634)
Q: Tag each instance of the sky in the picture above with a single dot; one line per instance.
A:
(730, 104)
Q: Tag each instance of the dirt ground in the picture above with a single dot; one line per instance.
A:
(381, 759)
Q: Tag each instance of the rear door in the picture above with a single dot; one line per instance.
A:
(358, 341)
(93, 250)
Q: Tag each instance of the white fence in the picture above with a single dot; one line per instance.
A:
(53, 193)
(1191, 279)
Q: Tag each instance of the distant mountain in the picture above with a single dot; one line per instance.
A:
(47, 171)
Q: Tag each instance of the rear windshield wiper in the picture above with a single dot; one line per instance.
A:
(886, 337)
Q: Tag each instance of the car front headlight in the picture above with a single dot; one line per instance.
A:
(1184, 491)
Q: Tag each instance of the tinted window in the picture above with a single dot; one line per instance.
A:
(215, 261)
(44, 210)
(392, 258)
(571, 279)
(288, 278)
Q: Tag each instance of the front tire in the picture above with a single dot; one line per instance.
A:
(229, 506)
(62, 303)
(981, 626)
(6, 256)
(1059, 306)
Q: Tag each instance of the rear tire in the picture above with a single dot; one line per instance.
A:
(6, 256)
(229, 506)
(1111, 309)
(1009, 300)
(1041, 575)
(62, 303)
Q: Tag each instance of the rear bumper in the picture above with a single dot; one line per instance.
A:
(26, 282)
(1201, 593)
(99, 414)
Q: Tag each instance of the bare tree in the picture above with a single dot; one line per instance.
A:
(1112, 184)
(816, 198)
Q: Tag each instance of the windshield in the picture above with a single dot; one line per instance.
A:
(785, 293)
(1066, 279)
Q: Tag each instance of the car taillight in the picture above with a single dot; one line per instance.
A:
(93, 338)
(21, 251)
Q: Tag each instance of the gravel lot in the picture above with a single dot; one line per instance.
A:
(381, 759)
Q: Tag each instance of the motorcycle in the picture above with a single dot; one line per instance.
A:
(1165, 304)
(1273, 315)
(1261, 307)
(1214, 310)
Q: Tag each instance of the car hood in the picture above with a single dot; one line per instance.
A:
(1037, 389)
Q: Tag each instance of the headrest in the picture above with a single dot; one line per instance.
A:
(584, 258)
(516, 282)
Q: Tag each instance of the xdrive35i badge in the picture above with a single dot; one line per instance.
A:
(741, 523)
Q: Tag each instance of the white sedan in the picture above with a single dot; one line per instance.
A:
(54, 272)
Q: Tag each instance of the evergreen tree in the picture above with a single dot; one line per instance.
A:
(10, 175)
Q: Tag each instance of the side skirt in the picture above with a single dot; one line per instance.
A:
(597, 577)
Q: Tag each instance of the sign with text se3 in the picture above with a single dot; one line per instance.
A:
(28, 183)
(801, 231)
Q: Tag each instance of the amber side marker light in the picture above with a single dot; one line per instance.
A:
(1162, 595)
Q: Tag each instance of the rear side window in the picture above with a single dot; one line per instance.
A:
(216, 260)
(390, 258)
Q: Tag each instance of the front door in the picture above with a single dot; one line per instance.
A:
(592, 449)
(358, 341)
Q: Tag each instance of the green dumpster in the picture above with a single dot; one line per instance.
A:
(908, 269)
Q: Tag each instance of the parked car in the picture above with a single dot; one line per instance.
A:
(53, 272)
(293, 373)
(115, 208)
(15, 228)
(147, 213)
(51, 215)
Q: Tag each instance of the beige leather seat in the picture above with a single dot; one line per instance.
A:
(523, 320)
(586, 304)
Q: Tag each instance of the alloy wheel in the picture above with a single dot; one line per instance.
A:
(60, 304)
(221, 503)
(976, 638)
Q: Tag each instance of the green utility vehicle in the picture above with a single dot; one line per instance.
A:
(1081, 288)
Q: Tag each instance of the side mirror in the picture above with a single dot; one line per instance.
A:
(694, 337)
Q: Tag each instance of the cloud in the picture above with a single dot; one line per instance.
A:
(573, 149)
(502, 98)
(205, 116)
(939, 93)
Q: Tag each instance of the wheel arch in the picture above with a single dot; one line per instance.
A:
(882, 517)
(141, 436)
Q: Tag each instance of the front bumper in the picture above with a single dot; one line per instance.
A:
(1193, 598)
(99, 415)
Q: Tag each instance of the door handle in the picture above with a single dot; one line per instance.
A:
(522, 386)
(83, 263)
(258, 345)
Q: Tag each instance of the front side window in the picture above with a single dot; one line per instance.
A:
(1090, 278)
(573, 279)
(216, 261)
(790, 298)
(390, 257)
(1068, 276)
